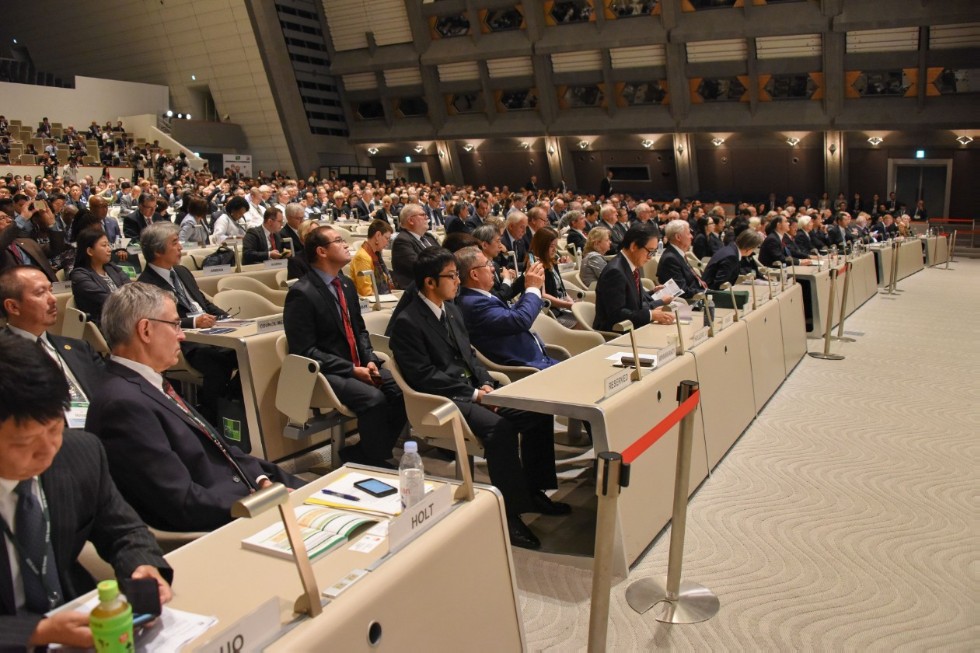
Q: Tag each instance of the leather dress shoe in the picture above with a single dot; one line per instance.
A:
(521, 535)
(541, 503)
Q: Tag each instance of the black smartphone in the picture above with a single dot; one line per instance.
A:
(375, 488)
(144, 596)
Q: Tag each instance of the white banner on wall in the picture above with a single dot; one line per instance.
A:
(241, 162)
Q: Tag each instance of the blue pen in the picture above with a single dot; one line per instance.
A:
(349, 497)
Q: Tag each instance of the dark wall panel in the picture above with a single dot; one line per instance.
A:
(590, 170)
(752, 173)
(512, 169)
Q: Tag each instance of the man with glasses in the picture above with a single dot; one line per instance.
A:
(619, 294)
(323, 321)
(432, 347)
(161, 248)
(410, 241)
(263, 243)
(134, 223)
(169, 462)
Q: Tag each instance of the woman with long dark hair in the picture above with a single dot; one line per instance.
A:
(544, 248)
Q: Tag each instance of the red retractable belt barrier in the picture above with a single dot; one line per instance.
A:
(646, 441)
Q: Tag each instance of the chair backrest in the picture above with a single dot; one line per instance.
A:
(73, 325)
(281, 277)
(650, 269)
(251, 284)
(555, 333)
(245, 304)
(584, 313)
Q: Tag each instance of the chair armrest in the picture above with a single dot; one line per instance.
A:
(557, 352)
(302, 387)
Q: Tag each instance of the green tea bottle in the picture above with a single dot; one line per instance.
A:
(112, 621)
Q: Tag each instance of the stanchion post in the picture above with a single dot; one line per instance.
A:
(952, 246)
(826, 355)
(609, 466)
(935, 251)
(893, 276)
(848, 267)
(684, 602)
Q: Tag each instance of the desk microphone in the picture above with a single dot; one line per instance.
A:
(624, 327)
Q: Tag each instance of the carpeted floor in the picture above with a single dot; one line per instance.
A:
(844, 519)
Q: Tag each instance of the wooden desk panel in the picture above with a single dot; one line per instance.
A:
(793, 325)
(765, 351)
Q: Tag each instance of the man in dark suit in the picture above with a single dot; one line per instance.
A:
(433, 210)
(776, 247)
(804, 243)
(673, 262)
(576, 230)
(412, 239)
(170, 463)
(506, 284)
(99, 207)
(161, 249)
(459, 221)
(434, 355)
(838, 234)
(134, 223)
(725, 264)
(294, 214)
(323, 321)
(513, 240)
(885, 228)
(606, 187)
(264, 243)
(16, 251)
(59, 476)
(619, 295)
(31, 309)
(499, 331)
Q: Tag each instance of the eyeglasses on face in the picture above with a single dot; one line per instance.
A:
(175, 324)
(449, 275)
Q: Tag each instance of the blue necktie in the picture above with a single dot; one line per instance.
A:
(37, 556)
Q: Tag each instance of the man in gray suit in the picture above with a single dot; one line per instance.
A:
(56, 482)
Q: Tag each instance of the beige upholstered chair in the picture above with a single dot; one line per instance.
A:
(251, 284)
(245, 304)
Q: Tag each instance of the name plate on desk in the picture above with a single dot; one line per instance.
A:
(666, 355)
(212, 270)
(267, 325)
(616, 382)
(699, 336)
(250, 633)
(61, 287)
(419, 518)
(275, 263)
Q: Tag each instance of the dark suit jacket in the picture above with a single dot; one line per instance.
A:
(616, 297)
(297, 266)
(84, 505)
(90, 290)
(605, 188)
(170, 472)
(405, 249)
(29, 247)
(111, 227)
(804, 243)
(501, 332)
(134, 223)
(150, 276)
(427, 358)
(673, 266)
(576, 238)
(85, 364)
(315, 329)
(517, 245)
(723, 267)
(255, 246)
(288, 232)
(773, 251)
(506, 291)
(835, 237)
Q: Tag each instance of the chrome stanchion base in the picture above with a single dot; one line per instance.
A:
(693, 604)
(826, 357)
(842, 339)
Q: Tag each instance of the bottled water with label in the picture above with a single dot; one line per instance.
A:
(411, 475)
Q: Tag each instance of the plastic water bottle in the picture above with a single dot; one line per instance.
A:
(660, 247)
(709, 311)
(111, 621)
(411, 475)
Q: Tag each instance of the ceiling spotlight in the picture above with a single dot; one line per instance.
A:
(583, 144)
(964, 140)
(680, 150)
(876, 140)
(188, 116)
(419, 149)
(551, 149)
(193, 78)
(526, 145)
(717, 141)
(647, 143)
(792, 141)
(180, 116)
(372, 151)
(170, 114)
(468, 147)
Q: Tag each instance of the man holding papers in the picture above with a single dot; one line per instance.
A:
(620, 295)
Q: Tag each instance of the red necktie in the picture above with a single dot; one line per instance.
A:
(348, 331)
(272, 242)
(636, 279)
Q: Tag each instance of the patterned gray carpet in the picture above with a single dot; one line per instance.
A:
(845, 519)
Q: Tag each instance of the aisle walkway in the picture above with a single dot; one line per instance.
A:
(845, 519)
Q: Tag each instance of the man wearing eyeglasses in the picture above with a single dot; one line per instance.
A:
(264, 242)
(432, 348)
(323, 321)
(169, 462)
(619, 294)
(410, 241)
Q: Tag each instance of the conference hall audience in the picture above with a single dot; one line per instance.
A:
(431, 345)
(94, 276)
(53, 475)
(170, 463)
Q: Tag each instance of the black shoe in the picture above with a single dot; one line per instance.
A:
(521, 535)
(542, 504)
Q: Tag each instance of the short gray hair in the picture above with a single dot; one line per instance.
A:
(153, 240)
(405, 214)
(515, 217)
(748, 239)
(675, 227)
(127, 306)
(466, 261)
(485, 233)
(295, 208)
(608, 209)
(803, 221)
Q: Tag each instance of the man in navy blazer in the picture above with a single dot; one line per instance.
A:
(170, 464)
(673, 262)
(68, 469)
(499, 331)
(776, 247)
(724, 266)
(619, 295)
(412, 239)
(316, 325)
(99, 207)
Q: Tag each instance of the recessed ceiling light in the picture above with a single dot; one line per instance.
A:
(876, 140)
(468, 147)
(419, 149)
(583, 144)
(372, 151)
(717, 141)
(647, 143)
(792, 141)
(525, 145)
(964, 140)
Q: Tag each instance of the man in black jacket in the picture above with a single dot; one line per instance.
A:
(323, 321)
(619, 295)
(264, 242)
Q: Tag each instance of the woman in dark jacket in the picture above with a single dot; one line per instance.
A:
(94, 277)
